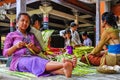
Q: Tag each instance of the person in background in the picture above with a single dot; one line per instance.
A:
(86, 40)
(21, 44)
(75, 36)
(110, 36)
(68, 37)
(36, 22)
(68, 41)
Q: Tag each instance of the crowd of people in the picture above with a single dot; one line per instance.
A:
(26, 42)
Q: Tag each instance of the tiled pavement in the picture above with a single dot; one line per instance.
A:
(93, 76)
(60, 77)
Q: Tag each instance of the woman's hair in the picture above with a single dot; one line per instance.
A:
(34, 18)
(19, 16)
(67, 31)
(110, 18)
(85, 33)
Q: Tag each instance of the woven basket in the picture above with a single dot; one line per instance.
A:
(105, 70)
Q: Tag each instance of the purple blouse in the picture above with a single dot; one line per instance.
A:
(11, 39)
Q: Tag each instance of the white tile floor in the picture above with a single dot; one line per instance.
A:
(94, 76)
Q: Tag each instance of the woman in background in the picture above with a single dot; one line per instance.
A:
(110, 36)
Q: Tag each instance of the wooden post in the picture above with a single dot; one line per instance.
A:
(97, 21)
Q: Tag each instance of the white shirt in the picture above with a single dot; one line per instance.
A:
(75, 37)
(87, 42)
(62, 32)
(39, 37)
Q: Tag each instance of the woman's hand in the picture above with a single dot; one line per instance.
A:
(20, 44)
(31, 45)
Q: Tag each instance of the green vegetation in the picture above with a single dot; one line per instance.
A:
(79, 51)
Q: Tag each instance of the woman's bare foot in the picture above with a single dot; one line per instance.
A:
(59, 71)
(74, 60)
(68, 67)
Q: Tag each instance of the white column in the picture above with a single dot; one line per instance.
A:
(107, 6)
(20, 6)
(97, 21)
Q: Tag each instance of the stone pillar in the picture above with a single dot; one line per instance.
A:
(97, 21)
(12, 27)
(20, 6)
(45, 10)
(12, 18)
(45, 20)
(76, 14)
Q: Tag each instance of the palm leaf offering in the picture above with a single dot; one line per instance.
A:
(24, 75)
(83, 69)
(79, 51)
(46, 35)
(61, 56)
(30, 49)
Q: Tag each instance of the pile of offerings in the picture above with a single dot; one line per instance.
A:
(83, 50)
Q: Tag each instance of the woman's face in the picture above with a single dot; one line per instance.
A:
(84, 37)
(37, 25)
(75, 28)
(23, 22)
(103, 23)
(68, 35)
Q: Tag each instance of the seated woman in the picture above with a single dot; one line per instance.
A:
(19, 45)
(111, 37)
